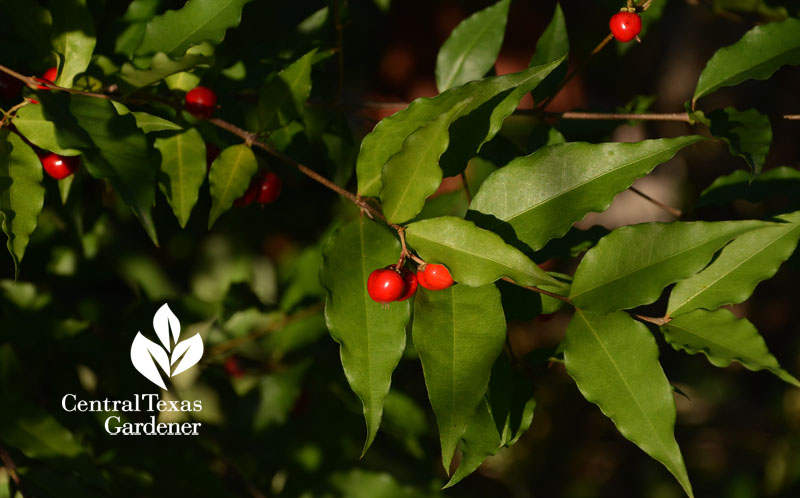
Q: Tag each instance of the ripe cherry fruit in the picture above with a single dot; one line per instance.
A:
(385, 285)
(60, 167)
(201, 101)
(625, 25)
(410, 281)
(269, 189)
(49, 76)
(435, 277)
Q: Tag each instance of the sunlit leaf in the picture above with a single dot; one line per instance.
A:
(614, 361)
(372, 336)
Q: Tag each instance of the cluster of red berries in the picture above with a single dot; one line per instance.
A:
(389, 284)
(625, 25)
(264, 188)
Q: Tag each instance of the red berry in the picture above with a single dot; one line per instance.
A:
(9, 86)
(249, 195)
(60, 167)
(625, 26)
(435, 277)
(201, 101)
(49, 76)
(410, 281)
(385, 285)
(270, 188)
(232, 367)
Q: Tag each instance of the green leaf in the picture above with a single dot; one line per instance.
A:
(632, 265)
(782, 180)
(37, 434)
(413, 174)
(760, 7)
(277, 396)
(372, 337)
(758, 54)
(198, 21)
(471, 49)
(229, 178)
(477, 127)
(389, 135)
(742, 264)
(458, 333)
(474, 256)
(538, 197)
(614, 361)
(160, 67)
(723, 339)
(120, 153)
(55, 130)
(137, 15)
(148, 123)
(73, 38)
(283, 98)
(747, 133)
(21, 193)
(552, 45)
(358, 483)
(480, 441)
(183, 168)
(511, 401)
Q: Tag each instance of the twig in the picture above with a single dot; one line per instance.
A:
(671, 210)
(577, 115)
(257, 334)
(11, 112)
(253, 139)
(614, 116)
(8, 463)
(466, 187)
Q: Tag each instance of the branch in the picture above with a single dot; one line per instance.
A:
(671, 210)
(614, 116)
(234, 343)
(252, 139)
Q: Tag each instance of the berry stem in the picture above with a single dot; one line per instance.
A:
(12, 112)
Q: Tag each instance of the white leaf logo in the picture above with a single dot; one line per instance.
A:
(147, 356)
